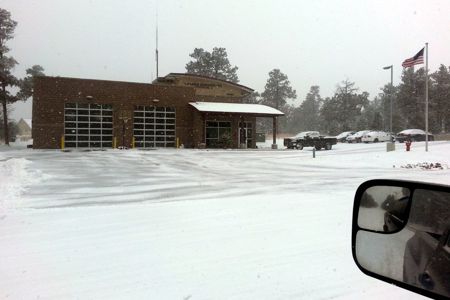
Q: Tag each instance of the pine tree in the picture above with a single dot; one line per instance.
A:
(387, 94)
(411, 98)
(26, 84)
(277, 90)
(253, 98)
(213, 64)
(7, 64)
(276, 93)
(343, 112)
(306, 116)
(329, 116)
(440, 100)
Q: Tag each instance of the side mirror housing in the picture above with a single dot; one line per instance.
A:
(401, 235)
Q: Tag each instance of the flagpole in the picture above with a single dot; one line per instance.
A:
(391, 94)
(426, 97)
(157, 51)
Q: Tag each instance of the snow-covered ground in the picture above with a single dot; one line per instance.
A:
(192, 224)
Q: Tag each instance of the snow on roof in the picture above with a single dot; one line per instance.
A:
(246, 88)
(344, 134)
(412, 131)
(28, 121)
(307, 133)
(360, 133)
(257, 109)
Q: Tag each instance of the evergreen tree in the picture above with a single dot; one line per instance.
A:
(343, 112)
(306, 116)
(26, 84)
(253, 98)
(328, 115)
(12, 129)
(7, 63)
(371, 117)
(411, 98)
(212, 64)
(277, 90)
(440, 100)
(276, 93)
(389, 92)
(286, 123)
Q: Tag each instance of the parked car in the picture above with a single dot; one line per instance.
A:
(356, 138)
(376, 136)
(341, 138)
(310, 139)
(415, 135)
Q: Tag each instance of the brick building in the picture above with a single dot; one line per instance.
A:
(179, 109)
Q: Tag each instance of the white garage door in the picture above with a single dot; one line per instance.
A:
(88, 125)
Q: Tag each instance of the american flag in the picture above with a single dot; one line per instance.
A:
(415, 60)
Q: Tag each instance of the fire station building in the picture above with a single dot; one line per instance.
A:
(178, 109)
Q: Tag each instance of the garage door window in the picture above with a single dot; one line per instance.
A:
(87, 125)
(154, 126)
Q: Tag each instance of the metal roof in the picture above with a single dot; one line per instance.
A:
(236, 108)
(246, 88)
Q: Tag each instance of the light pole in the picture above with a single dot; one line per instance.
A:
(390, 94)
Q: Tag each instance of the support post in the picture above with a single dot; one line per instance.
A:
(62, 142)
(274, 130)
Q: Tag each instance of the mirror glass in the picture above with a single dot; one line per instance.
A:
(384, 208)
(418, 254)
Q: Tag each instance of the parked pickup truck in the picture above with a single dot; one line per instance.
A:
(310, 139)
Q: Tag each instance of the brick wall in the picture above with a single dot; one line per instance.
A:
(51, 94)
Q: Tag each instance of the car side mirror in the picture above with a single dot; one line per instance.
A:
(401, 235)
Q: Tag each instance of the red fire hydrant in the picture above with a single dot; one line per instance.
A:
(408, 145)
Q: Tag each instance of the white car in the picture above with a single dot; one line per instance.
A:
(343, 136)
(376, 136)
(356, 138)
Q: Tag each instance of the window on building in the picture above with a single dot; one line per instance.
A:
(218, 134)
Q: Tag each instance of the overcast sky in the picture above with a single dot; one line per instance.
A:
(313, 42)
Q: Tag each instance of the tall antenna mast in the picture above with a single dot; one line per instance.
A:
(156, 52)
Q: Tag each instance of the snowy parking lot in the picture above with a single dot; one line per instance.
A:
(192, 224)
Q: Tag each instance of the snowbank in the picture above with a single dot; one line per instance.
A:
(14, 179)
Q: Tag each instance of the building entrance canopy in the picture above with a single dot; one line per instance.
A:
(254, 110)
(258, 110)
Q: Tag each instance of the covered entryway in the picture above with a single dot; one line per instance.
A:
(232, 125)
